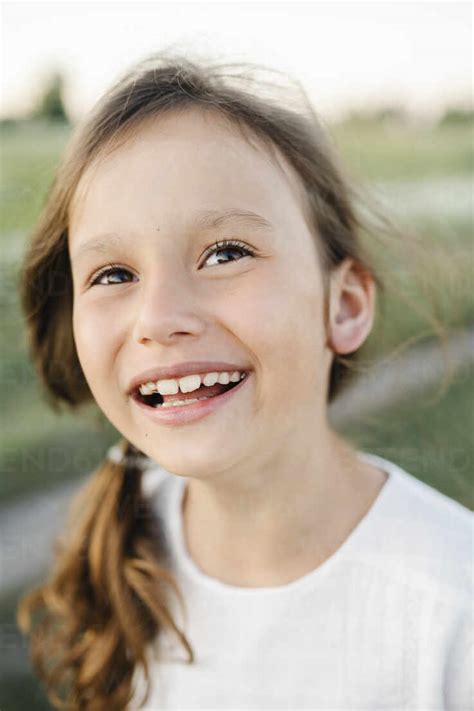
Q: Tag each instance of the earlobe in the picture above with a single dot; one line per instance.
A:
(351, 307)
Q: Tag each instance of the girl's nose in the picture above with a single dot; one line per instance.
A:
(168, 307)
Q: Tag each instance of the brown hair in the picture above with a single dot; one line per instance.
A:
(108, 595)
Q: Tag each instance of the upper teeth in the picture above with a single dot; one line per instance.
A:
(188, 383)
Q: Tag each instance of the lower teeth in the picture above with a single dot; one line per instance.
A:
(178, 403)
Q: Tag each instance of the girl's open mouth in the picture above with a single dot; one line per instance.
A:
(184, 399)
(187, 407)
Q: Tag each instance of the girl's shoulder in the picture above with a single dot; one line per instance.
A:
(422, 530)
(437, 508)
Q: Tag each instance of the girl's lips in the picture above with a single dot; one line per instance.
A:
(183, 414)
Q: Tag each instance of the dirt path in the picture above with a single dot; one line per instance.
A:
(392, 381)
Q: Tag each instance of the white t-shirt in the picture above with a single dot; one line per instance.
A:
(384, 624)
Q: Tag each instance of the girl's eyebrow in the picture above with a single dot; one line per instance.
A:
(209, 219)
(204, 220)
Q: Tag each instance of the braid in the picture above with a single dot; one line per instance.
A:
(107, 596)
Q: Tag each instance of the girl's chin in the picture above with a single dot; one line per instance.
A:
(195, 463)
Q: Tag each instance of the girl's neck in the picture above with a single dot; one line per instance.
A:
(277, 528)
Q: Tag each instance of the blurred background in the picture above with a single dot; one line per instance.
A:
(392, 83)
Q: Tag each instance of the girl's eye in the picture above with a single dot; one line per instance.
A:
(227, 246)
(111, 270)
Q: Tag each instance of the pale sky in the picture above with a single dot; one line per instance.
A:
(357, 54)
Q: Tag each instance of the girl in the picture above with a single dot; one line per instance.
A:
(198, 272)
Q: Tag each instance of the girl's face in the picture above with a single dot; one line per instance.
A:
(260, 306)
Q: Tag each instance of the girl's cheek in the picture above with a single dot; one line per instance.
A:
(94, 336)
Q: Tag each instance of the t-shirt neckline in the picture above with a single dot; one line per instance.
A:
(186, 565)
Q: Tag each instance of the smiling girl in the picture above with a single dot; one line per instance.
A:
(198, 272)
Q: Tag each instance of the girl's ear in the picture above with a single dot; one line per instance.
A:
(351, 307)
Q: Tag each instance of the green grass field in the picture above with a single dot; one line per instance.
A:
(385, 151)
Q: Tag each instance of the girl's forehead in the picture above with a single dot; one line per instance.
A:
(177, 148)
